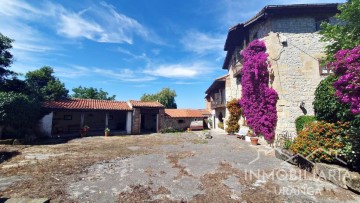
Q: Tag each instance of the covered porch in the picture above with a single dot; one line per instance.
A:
(70, 122)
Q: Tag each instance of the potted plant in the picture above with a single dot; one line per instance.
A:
(84, 130)
(107, 132)
(253, 138)
(250, 133)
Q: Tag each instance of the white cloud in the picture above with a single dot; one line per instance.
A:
(203, 43)
(126, 75)
(180, 70)
(16, 8)
(101, 23)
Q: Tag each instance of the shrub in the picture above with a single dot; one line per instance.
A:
(323, 142)
(347, 69)
(18, 111)
(258, 101)
(303, 121)
(171, 130)
(235, 112)
(326, 105)
(221, 125)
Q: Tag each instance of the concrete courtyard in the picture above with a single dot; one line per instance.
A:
(178, 167)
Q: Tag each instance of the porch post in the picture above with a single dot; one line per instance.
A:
(82, 119)
(106, 120)
(157, 122)
(128, 122)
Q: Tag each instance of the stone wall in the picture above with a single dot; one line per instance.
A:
(161, 119)
(136, 123)
(175, 124)
(295, 68)
(294, 65)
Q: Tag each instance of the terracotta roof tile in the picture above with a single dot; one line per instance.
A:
(183, 113)
(145, 104)
(205, 112)
(87, 104)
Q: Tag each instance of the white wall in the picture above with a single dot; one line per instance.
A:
(45, 124)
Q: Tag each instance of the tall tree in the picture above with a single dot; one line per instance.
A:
(44, 85)
(6, 58)
(346, 33)
(91, 93)
(166, 97)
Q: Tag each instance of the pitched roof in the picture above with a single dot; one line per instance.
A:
(93, 104)
(134, 103)
(240, 32)
(184, 113)
(218, 82)
(205, 112)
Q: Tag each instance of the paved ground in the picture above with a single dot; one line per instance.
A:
(191, 169)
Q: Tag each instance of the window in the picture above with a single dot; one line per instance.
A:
(67, 117)
(181, 121)
(323, 69)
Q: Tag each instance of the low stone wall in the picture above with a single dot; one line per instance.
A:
(175, 123)
(338, 175)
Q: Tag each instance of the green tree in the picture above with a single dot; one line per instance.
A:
(44, 85)
(166, 97)
(6, 58)
(91, 93)
(18, 111)
(345, 34)
(326, 105)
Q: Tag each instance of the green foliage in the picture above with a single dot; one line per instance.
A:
(6, 58)
(326, 105)
(171, 130)
(18, 110)
(166, 97)
(44, 86)
(221, 125)
(324, 142)
(287, 143)
(235, 112)
(346, 34)
(303, 121)
(91, 93)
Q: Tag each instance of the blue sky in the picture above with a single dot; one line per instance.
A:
(128, 47)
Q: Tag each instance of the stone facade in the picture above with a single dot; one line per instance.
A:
(136, 121)
(179, 123)
(295, 50)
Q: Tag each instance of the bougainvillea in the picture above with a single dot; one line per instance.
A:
(258, 101)
(347, 69)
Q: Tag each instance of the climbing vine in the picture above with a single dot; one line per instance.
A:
(258, 101)
(347, 69)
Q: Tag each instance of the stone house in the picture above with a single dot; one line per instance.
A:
(216, 101)
(182, 118)
(133, 117)
(291, 35)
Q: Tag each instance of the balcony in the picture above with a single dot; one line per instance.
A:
(218, 103)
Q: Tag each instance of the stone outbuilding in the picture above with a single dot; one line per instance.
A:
(182, 118)
(67, 117)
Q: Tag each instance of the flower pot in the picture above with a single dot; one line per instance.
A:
(254, 140)
(107, 134)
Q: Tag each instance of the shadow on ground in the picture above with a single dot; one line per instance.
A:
(5, 155)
